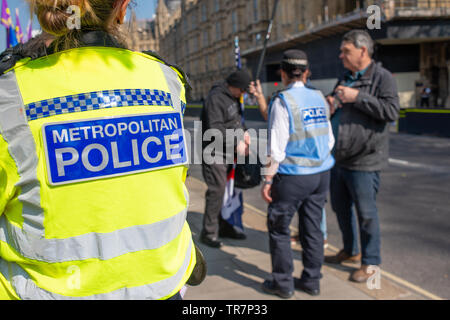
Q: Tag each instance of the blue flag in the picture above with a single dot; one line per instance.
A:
(12, 36)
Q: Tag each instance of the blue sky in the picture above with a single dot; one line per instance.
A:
(144, 9)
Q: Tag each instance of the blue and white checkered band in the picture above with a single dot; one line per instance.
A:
(96, 101)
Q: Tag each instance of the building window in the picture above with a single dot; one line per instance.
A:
(205, 38)
(194, 20)
(216, 5)
(220, 60)
(195, 49)
(234, 21)
(255, 10)
(204, 12)
(218, 31)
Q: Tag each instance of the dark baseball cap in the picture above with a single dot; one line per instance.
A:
(239, 79)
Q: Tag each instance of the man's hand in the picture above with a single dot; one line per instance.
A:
(243, 148)
(346, 94)
(266, 193)
(247, 138)
(256, 90)
(333, 104)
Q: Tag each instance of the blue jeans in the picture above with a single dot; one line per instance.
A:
(348, 189)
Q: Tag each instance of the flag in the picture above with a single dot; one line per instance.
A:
(30, 30)
(237, 53)
(19, 33)
(6, 15)
(12, 37)
(6, 21)
(233, 204)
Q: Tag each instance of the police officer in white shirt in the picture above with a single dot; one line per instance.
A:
(297, 177)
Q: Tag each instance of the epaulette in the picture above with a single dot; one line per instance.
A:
(184, 76)
(8, 60)
(31, 49)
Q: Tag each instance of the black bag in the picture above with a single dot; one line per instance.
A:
(247, 175)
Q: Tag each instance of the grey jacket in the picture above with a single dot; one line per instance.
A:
(363, 140)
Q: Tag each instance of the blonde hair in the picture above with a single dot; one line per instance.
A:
(95, 15)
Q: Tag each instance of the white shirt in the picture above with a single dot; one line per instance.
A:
(279, 129)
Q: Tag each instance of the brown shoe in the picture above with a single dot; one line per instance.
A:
(342, 256)
(362, 275)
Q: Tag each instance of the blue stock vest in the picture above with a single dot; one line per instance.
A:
(308, 150)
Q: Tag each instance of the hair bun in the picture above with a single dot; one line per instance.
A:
(53, 16)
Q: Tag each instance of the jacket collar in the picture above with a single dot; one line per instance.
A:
(363, 78)
(99, 39)
(95, 38)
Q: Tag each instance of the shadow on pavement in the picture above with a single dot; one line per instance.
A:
(241, 262)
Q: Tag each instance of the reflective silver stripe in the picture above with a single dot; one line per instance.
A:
(302, 135)
(303, 162)
(300, 132)
(103, 246)
(174, 86)
(326, 103)
(27, 289)
(16, 132)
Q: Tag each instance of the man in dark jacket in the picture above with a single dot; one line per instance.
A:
(221, 112)
(365, 103)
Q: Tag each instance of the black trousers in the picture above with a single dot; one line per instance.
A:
(215, 177)
(307, 196)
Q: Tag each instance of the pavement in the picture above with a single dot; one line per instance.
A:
(237, 270)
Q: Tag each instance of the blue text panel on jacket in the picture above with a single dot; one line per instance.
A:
(87, 150)
(315, 115)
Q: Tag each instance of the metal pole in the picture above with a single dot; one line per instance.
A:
(266, 41)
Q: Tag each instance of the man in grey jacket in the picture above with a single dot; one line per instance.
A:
(364, 103)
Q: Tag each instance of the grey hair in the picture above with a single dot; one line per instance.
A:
(360, 38)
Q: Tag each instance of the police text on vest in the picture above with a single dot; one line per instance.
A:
(100, 148)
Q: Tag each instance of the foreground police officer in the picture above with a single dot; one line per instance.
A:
(92, 163)
(297, 178)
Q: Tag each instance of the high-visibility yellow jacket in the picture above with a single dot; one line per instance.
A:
(92, 168)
